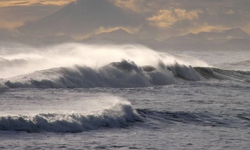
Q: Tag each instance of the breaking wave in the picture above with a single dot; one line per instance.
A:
(119, 115)
(121, 74)
(88, 66)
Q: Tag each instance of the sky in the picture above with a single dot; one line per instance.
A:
(164, 18)
(14, 13)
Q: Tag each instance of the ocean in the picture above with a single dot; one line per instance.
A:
(77, 96)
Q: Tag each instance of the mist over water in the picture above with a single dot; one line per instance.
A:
(22, 59)
(75, 65)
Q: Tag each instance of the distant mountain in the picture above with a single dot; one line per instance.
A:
(120, 36)
(8, 37)
(80, 18)
(236, 44)
(227, 39)
(235, 33)
(116, 34)
(210, 37)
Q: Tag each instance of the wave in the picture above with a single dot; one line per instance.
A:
(195, 118)
(88, 66)
(246, 62)
(15, 61)
(121, 74)
(234, 75)
(119, 115)
(240, 66)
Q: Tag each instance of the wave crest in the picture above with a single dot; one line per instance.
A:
(120, 115)
(119, 74)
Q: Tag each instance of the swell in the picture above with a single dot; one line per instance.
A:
(120, 115)
(195, 118)
(216, 73)
(121, 74)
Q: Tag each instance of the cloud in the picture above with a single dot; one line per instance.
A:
(83, 18)
(205, 27)
(139, 6)
(11, 17)
(10, 25)
(11, 3)
(157, 18)
(246, 27)
(167, 18)
(110, 29)
(145, 6)
(229, 12)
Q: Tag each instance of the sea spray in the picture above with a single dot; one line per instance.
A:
(95, 112)
(26, 59)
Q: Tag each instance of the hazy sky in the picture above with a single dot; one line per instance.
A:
(14, 13)
(164, 17)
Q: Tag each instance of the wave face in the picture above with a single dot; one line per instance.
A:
(120, 114)
(121, 74)
(195, 118)
(88, 66)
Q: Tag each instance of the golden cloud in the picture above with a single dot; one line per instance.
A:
(9, 25)
(166, 18)
(12, 17)
(9, 3)
(206, 28)
(145, 6)
(107, 30)
(246, 27)
(229, 12)
(134, 5)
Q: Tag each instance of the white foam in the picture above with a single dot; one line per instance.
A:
(25, 59)
(125, 74)
(111, 112)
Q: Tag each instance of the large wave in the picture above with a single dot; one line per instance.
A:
(109, 113)
(116, 74)
(117, 116)
(79, 65)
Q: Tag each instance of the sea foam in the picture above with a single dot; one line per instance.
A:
(116, 113)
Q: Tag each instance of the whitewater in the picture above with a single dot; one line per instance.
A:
(79, 96)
